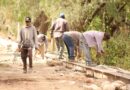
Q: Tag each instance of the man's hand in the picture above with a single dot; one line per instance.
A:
(18, 49)
(51, 36)
(102, 52)
(45, 51)
(36, 48)
(98, 54)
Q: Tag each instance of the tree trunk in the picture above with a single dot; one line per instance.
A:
(96, 11)
(41, 23)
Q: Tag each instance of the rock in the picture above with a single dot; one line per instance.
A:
(92, 87)
(77, 68)
(54, 63)
(61, 74)
(124, 88)
(89, 80)
(72, 82)
(69, 66)
(106, 85)
(116, 85)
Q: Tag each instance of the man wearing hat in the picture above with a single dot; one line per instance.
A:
(57, 29)
(28, 39)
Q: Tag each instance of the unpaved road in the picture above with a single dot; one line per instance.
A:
(42, 77)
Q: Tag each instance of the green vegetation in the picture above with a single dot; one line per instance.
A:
(82, 15)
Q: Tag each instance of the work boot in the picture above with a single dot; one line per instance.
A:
(72, 60)
(88, 63)
(91, 64)
(30, 70)
(24, 70)
(60, 58)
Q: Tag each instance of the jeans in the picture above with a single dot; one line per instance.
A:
(86, 51)
(70, 46)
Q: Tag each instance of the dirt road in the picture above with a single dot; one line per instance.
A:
(42, 77)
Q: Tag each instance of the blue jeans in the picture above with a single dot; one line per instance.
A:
(70, 46)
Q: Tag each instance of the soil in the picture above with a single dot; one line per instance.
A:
(42, 77)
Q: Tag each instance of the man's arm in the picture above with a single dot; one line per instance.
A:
(52, 28)
(99, 47)
(99, 44)
(35, 38)
(66, 26)
(46, 43)
(20, 39)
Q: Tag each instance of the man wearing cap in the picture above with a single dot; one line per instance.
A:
(27, 40)
(57, 29)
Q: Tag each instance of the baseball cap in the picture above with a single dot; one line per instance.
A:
(62, 15)
(27, 19)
